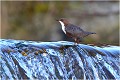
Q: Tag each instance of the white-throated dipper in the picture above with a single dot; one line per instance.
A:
(73, 31)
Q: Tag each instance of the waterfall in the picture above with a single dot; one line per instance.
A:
(21, 59)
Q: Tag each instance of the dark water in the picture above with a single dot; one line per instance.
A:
(57, 60)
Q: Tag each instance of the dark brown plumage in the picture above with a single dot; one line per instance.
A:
(73, 31)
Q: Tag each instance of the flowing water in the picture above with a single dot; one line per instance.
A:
(21, 59)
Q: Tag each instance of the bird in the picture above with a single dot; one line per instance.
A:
(73, 31)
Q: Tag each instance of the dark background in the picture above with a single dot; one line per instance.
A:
(35, 20)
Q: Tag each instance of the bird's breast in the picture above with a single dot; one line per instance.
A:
(63, 26)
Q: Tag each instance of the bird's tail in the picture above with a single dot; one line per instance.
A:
(91, 33)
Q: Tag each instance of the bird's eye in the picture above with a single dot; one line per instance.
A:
(61, 19)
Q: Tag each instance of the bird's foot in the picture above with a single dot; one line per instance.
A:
(75, 44)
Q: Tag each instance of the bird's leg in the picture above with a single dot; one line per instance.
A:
(75, 41)
(79, 40)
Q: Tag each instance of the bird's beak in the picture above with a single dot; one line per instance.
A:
(57, 20)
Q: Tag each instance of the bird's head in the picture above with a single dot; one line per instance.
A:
(63, 21)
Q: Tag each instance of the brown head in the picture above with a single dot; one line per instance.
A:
(64, 20)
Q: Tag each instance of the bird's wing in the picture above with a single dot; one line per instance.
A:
(73, 29)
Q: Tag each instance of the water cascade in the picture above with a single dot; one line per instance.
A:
(21, 59)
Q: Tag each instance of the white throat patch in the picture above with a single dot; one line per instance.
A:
(63, 26)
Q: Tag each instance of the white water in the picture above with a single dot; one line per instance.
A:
(57, 60)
